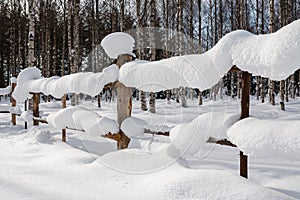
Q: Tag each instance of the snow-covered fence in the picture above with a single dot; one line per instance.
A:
(265, 55)
(8, 91)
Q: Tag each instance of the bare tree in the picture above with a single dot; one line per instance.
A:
(152, 49)
(271, 28)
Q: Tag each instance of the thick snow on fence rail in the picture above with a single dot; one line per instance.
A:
(265, 138)
(82, 118)
(7, 90)
(275, 56)
(31, 80)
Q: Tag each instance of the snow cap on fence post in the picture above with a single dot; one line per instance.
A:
(118, 43)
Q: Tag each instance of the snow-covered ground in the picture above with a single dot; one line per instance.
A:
(35, 164)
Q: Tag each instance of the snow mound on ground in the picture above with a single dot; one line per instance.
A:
(139, 161)
(27, 116)
(39, 134)
(272, 55)
(87, 83)
(83, 119)
(118, 43)
(5, 91)
(190, 137)
(173, 181)
(265, 138)
(134, 128)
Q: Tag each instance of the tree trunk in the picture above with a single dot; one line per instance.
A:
(31, 34)
(282, 83)
(263, 88)
(271, 28)
(191, 24)
(140, 48)
(182, 96)
(180, 17)
(292, 86)
(232, 85)
(286, 84)
(63, 53)
(152, 102)
(271, 93)
(152, 49)
(239, 87)
(257, 83)
(262, 25)
(76, 50)
(200, 102)
(168, 96)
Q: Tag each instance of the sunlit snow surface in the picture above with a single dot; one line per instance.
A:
(35, 164)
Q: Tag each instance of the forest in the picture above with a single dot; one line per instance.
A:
(62, 34)
(149, 99)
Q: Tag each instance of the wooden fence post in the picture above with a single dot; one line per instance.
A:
(245, 104)
(63, 131)
(36, 102)
(124, 103)
(13, 104)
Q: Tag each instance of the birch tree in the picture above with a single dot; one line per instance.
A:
(180, 17)
(271, 28)
(152, 49)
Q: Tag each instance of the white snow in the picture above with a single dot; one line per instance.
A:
(118, 43)
(189, 138)
(13, 80)
(39, 134)
(134, 128)
(37, 165)
(30, 80)
(5, 91)
(15, 110)
(265, 137)
(27, 116)
(272, 55)
(81, 118)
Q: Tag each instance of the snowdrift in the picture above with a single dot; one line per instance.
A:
(274, 56)
(267, 138)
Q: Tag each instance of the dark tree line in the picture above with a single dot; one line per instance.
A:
(64, 32)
